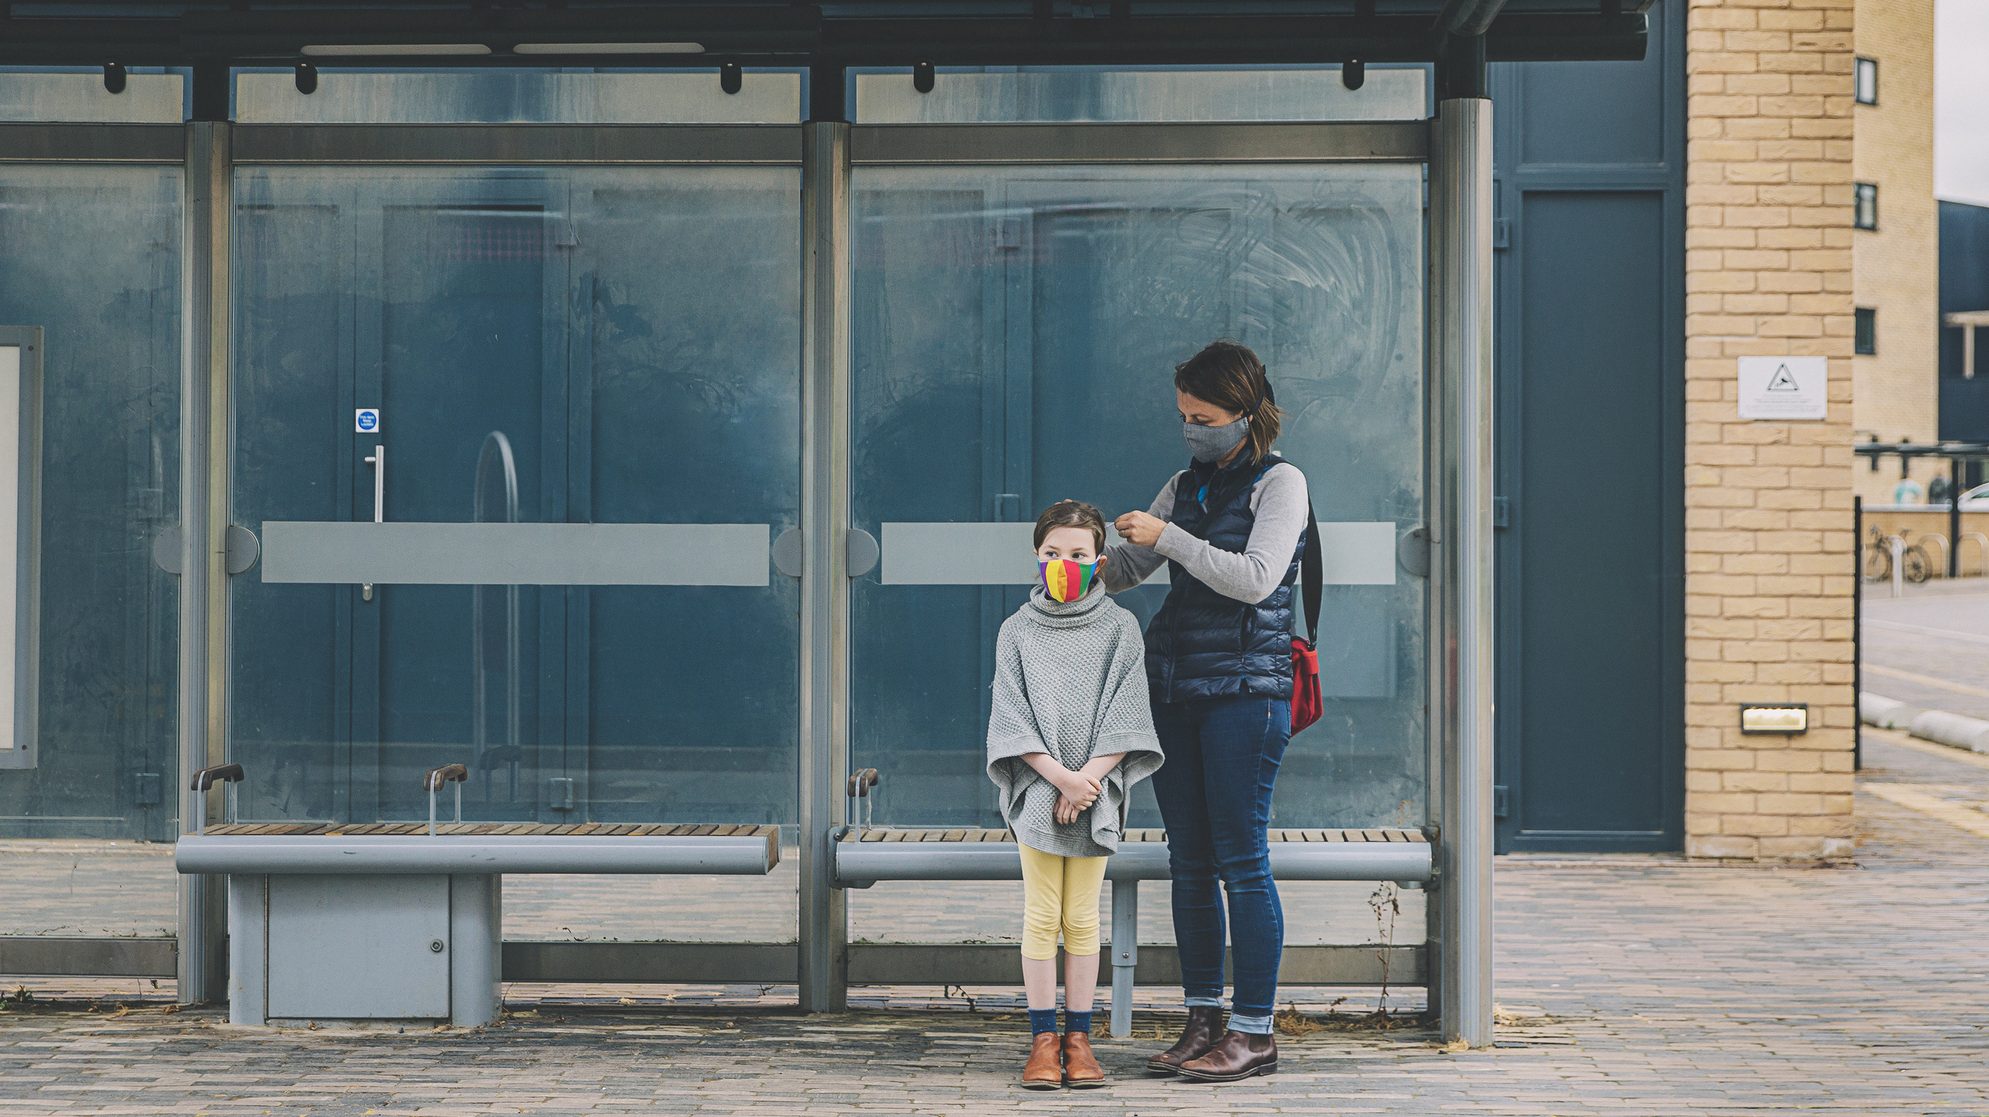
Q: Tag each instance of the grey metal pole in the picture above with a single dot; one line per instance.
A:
(1954, 518)
(204, 359)
(1462, 213)
(825, 591)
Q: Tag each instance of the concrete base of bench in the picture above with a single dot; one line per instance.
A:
(387, 922)
(320, 947)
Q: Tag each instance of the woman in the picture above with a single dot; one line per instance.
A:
(1218, 659)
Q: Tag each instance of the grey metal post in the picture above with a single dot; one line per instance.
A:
(825, 591)
(1461, 219)
(204, 342)
(1125, 952)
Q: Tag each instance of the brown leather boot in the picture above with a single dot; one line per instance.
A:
(1081, 1069)
(1044, 1070)
(1204, 1025)
(1236, 1055)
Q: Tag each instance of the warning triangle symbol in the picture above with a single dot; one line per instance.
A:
(1782, 381)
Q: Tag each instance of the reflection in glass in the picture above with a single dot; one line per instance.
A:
(517, 96)
(92, 255)
(1068, 94)
(544, 346)
(78, 95)
(1015, 336)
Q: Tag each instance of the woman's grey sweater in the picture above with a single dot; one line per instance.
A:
(1070, 681)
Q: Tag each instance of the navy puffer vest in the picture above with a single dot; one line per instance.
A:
(1205, 645)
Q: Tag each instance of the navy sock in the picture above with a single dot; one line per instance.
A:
(1042, 1020)
(1077, 1021)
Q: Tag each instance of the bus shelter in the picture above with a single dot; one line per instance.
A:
(639, 405)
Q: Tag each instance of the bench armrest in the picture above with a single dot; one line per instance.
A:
(219, 773)
(434, 778)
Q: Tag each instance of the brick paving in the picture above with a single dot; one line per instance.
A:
(1626, 985)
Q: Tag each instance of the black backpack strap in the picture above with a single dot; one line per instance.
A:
(1311, 576)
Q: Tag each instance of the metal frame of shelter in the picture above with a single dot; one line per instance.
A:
(1459, 36)
(1957, 455)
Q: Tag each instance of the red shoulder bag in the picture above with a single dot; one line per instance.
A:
(1306, 702)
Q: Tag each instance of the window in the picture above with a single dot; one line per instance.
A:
(1867, 331)
(1866, 214)
(1867, 81)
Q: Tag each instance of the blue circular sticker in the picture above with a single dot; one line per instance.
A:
(366, 419)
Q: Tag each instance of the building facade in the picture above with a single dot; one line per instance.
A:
(1895, 261)
(1769, 581)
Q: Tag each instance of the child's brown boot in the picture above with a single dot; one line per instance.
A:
(1081, 1069)
(1043, 1071)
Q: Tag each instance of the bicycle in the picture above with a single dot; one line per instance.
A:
(1914, 562)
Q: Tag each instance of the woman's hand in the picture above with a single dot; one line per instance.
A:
(1141, 529)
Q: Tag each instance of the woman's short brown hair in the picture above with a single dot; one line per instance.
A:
(1071, 513)
(1229, 375)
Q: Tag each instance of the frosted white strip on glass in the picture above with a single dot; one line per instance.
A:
(465, 554)
(1354, 553)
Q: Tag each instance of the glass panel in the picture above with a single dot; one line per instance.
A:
(78, 96)
(600, 346)
(517, 96)
(1015, 335)
(93, 256)
(1179, 94)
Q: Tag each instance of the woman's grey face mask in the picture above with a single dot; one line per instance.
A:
(1209, 444)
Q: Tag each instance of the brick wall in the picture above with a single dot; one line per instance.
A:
(1767, 504)
(1896, 267)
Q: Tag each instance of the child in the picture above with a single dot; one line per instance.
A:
(1070, 735)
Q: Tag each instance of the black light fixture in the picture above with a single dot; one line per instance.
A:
(115, 77)
(307, 78)
(923, 77)
(731, 78)
(1353, 74)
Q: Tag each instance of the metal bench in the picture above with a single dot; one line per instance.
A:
(866, 854)
(403, 920)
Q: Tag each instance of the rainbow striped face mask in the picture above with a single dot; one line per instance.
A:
(1065, 580)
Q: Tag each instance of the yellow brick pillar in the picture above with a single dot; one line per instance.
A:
(1769, 579)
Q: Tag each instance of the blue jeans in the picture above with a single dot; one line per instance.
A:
(1215, 797)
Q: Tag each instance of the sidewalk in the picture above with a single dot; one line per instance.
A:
(1626, 985)
(1930, 647)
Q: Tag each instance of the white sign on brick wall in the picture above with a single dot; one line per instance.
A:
(1784, 388)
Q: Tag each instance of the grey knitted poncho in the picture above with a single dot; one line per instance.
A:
(1070, 681)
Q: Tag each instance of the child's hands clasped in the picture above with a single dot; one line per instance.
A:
(1066, 811)
(1078, 790)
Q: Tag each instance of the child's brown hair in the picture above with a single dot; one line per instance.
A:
(1071, 513)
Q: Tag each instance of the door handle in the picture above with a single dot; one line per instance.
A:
(378, 460)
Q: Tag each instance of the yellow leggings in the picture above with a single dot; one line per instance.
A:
(1059, 894)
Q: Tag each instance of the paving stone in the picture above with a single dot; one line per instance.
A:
(1627, 985)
